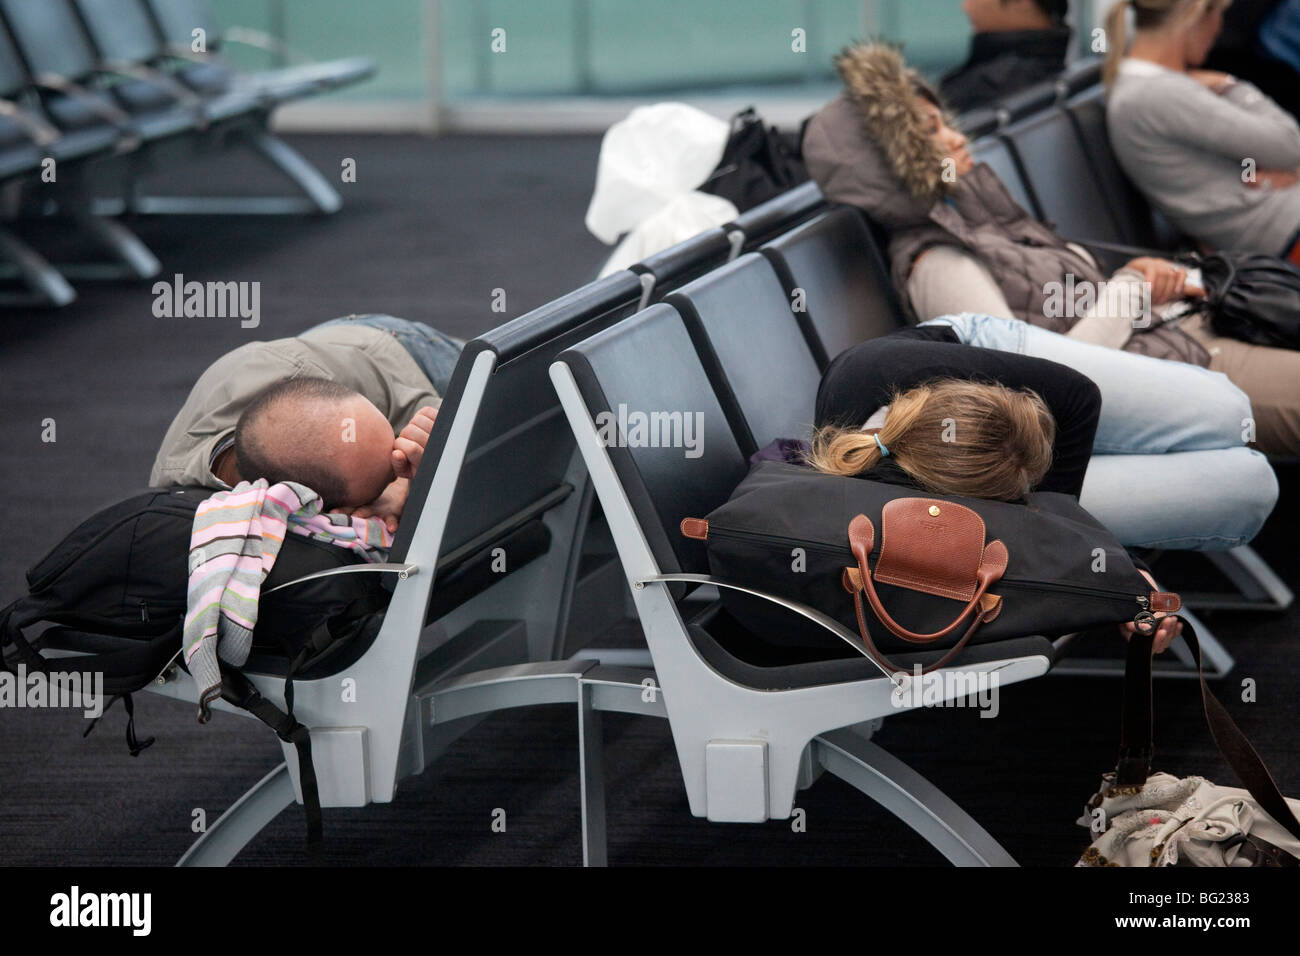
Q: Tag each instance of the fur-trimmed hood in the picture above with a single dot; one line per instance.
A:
(883, 89)
(870, 146)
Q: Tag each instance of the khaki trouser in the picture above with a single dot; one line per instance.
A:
(1269, 376)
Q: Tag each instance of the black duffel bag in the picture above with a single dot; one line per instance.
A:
(912, 571)
(1252, 297)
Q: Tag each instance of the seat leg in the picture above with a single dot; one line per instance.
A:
(128, 257)
(48, 286)
(1259, 586)
(317, 197)
(245, 819)
(132, 258)
(910, 797)
(304, 175)
(591, 772)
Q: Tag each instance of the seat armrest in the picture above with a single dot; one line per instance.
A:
(803, 610)
(403, 571)
(105, 110)
(182, 94)
(40, 132)
(261, 40)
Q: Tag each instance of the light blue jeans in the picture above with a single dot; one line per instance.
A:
(1170, 467)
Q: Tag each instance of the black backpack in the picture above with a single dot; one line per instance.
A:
(114, 589)
(758, 163)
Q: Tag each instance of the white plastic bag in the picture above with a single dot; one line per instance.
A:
(687, 215)
(653, 156)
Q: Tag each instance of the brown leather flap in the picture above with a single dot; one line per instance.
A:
(696, 528)
(1165, 601)
(931, 546)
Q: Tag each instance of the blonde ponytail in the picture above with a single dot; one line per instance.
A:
(955, 437)
(1148, 15)
(1116, 26)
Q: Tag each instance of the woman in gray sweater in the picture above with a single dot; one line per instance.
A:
(1214, 154)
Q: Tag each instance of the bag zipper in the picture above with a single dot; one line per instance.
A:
(1142, 600)
(820, 546)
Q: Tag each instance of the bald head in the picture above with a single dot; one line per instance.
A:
(319, 433)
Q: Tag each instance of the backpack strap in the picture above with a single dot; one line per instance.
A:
(1136, 735)
(125, 671)
(324, 636)
(239, 690)
(11, 632)
(133, 743)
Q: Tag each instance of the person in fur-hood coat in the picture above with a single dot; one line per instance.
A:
(887, 146)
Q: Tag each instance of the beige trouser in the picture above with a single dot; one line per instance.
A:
(1269, 376)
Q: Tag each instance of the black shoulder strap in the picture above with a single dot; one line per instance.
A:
(239, 690)
(1136, 749)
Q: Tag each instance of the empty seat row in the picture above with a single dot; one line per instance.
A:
(678, 264)
(84, 80)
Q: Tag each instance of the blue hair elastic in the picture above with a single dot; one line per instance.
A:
(884, 452)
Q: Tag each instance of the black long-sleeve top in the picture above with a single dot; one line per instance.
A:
(863, 378)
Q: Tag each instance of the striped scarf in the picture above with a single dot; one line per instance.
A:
(236, 537)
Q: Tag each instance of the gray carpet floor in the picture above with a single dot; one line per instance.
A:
(428, 231)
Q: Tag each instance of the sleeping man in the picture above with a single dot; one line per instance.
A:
(345, 408)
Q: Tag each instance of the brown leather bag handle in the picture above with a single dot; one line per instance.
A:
(991, 606)
(993, 564)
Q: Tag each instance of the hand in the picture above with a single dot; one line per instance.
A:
(388, 506)
(1169, 629)
(1168, 280)
(1212, 80)
(408, 447)
(1274, 179)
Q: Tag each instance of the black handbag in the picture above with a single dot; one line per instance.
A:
(758, 163)
(1252, 297)
(936, 571)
